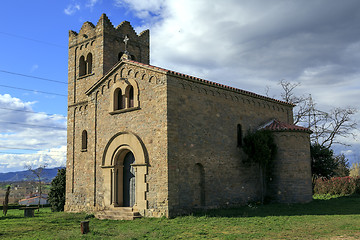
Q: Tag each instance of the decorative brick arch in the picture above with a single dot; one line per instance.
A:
(116, 149)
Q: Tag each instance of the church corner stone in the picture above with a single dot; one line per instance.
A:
(150, 141)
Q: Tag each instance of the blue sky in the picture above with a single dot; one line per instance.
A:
(245, 44)
(34, 39)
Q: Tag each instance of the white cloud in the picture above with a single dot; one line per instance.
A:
(251, 44)
(36, 135)
(34, 67)
(92, 3)
(143, 9)
(71, 9)
(55, 157)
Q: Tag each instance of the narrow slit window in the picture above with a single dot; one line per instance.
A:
(239, 136)
(84, 140)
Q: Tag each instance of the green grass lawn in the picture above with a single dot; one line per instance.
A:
(337, 218)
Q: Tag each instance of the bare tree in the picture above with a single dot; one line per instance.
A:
(38, 175)
(327, 127)
(288, 94)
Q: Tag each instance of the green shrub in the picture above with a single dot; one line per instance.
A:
(57, 191)
(337, 186)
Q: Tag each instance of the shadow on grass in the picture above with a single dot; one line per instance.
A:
(348, 205)
(11, 217)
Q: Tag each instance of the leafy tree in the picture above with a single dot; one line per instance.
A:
(261, 149)
(343, 167)
(57, 191)
(323, 163)
(355, 170)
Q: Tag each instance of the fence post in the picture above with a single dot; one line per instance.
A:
(85, 227)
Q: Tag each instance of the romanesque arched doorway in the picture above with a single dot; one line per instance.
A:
(124, 168)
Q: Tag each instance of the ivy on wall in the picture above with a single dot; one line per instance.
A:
(261, 149)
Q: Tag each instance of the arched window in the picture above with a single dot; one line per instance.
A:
(82, 66)
(239, 136)
(118, 99)
(124, 96)
(89, 63)
(84, 140)
(131, 97)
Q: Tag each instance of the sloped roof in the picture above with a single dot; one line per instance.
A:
(32, 199)
(185, 76)
(276, 125)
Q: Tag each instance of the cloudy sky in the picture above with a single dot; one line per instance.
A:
(248, 44)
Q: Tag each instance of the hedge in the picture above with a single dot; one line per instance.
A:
(337, 186)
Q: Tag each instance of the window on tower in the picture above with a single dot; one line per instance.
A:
(85, 65)
(82, 66)
(89, 59)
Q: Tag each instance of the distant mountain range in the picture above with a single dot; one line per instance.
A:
(47, 173)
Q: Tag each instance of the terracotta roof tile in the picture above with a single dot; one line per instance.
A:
(276, 125)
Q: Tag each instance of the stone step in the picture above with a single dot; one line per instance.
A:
(118, 214)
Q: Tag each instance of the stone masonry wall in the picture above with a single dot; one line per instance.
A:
(291, 181)
(80, 171)
(202, 131)
(148, 123)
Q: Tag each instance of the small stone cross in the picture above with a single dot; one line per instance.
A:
(126, 39)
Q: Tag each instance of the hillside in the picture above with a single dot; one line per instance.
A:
(48, 175)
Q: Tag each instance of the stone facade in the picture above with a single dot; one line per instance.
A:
(183, 133)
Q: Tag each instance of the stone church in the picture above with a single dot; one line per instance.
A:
(147, 141)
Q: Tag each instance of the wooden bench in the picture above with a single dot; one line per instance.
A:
(28, 211)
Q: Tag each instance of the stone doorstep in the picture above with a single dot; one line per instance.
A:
(121, 213)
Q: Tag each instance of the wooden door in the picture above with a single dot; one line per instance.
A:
(129, 181)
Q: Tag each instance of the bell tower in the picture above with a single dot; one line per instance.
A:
(96, 49)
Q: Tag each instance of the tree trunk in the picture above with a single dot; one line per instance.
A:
(39, 194)
(6, 202)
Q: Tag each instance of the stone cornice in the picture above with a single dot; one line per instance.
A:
(77, 104)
